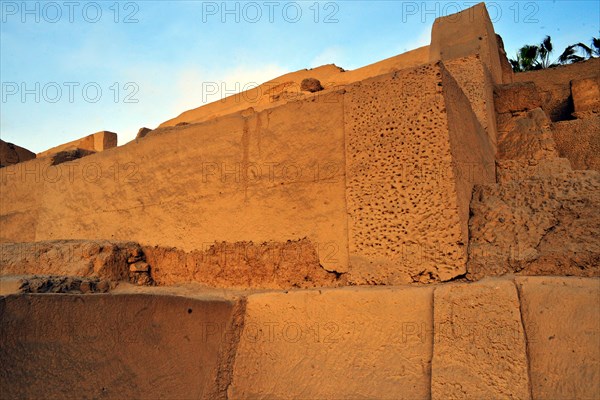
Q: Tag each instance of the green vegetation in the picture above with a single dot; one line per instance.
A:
(538, 56)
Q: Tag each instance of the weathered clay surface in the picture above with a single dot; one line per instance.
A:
(525, 136)
(479, 344)
(83, 258)
(63, 284)
(336, 343)
(562, 324)
(69, 155)
(516, 170)
(291, 264)
(579, 141)
(514, 97)
(539, 226)
(13, 154)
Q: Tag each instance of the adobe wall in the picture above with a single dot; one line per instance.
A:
(98, 141)
(420, 342)
(469, 32)
(479, 350)
(472, 149)
(497, 338)
(410, 165)
(114, 346)
(465, 34)
(280, 175)
(475, 80)
(22, 188)
(276, 265)
(409, 59)
(560, 318)
(273, 265)
(336, 344)
(286, 88)
(102, 259)
(555, 85)
(271, 176)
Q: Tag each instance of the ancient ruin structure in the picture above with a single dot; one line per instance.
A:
(423, 227)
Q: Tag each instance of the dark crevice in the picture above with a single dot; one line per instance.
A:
(527, 357)
(230, 341)
(337, 274)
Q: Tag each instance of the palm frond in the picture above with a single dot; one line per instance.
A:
(547, 44)
(596, 45)
(586, 50)
(529, 52)
(567, 54)
(516, 65)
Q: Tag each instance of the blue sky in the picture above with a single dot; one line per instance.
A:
(69, 69)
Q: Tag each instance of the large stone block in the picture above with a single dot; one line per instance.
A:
(561, 316)
(114, 346)
(586, 95)
(336, 343)
(539, 226)
(472, 148)
(579, 141)
(411, 164)
(271, 176)
(464, 34)
(96, 142)
(475, 81)
(513, 97)
(479, 345)
(526, 136)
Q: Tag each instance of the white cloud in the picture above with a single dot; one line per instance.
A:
(331, 55)
(195, 87)
(165, 91)
(422, 39)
